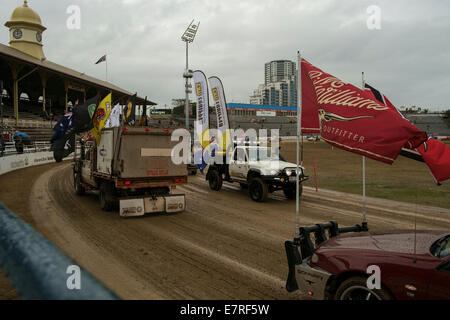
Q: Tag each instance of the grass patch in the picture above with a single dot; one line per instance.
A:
(406, 180)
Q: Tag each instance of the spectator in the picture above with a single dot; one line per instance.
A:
(2, 145)
(19, 144)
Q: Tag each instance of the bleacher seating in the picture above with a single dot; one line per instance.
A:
(431, 123)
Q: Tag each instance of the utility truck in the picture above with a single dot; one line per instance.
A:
(131, 168)
(254, 167)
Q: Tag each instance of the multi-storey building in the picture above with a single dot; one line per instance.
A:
(280, 87)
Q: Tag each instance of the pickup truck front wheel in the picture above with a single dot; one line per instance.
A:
(258, 189)
(290, 192)
(215, 180)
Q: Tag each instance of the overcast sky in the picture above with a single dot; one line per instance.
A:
(408, 58)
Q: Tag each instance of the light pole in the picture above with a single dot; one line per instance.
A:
(188, 37)
(1, 101)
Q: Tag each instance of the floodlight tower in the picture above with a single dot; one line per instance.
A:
(188, 37)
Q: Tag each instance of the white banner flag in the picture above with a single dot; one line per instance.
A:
(202, 95)
(220, 105)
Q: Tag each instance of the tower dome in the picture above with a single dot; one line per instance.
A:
(26, 29)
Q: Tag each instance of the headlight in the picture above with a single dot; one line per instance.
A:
(288, 172)
(274, 172)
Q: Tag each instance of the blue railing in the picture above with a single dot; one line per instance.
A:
(37, 269)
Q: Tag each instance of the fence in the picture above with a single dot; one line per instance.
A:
(39, 270)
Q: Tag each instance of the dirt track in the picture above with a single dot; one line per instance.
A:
(224, 246)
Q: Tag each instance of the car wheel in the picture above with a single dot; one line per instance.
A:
(105, 195)
(290, 192)
(258, 189)
(215, 180)
(79, 189)
(355, 288)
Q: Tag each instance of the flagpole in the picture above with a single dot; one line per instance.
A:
(364, 220)
(106, 58)
(299, 133)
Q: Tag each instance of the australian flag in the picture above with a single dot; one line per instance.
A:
(101, 59)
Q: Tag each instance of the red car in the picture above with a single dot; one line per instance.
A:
(412, 265)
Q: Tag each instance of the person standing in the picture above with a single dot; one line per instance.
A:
(2, 145)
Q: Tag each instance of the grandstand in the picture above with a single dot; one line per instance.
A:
(431, 123)
(35, 92)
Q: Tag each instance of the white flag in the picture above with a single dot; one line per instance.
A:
(114, 117)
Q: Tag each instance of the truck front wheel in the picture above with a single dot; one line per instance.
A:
(215, 180)
(258, 189)
(106, 196)
(290, 192)
(79, 189)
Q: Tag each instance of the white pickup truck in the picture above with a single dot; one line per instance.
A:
(254, 167)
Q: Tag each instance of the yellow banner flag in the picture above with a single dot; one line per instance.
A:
(101, 115)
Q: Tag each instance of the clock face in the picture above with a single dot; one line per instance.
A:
(39, 37)
(17, 33)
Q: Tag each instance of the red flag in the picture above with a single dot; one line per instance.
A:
(352, 119)
(437, 157)
(433, 152)
(310, 120)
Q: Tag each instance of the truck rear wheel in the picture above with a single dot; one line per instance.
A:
(106, 196)
(258, 189)
(290, 192)
(215, 180)
(79, 189)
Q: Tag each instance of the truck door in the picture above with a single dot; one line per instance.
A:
(239, 165)
(88, 161)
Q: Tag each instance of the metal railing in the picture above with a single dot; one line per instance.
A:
(38, 146)
(40, 271)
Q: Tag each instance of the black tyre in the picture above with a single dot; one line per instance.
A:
(355, 288)
(106, 197)
(79, 189)
(258, 189)
(290, 192)
(215, 180)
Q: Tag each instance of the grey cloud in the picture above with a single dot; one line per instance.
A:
(408, 58)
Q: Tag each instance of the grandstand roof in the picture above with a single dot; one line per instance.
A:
(9, 53)
(259, 107)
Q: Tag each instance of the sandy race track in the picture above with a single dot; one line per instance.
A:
(224, 246)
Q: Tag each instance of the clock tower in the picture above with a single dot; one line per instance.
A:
(25, 29)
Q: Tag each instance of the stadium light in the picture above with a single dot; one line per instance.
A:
(188, 37)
